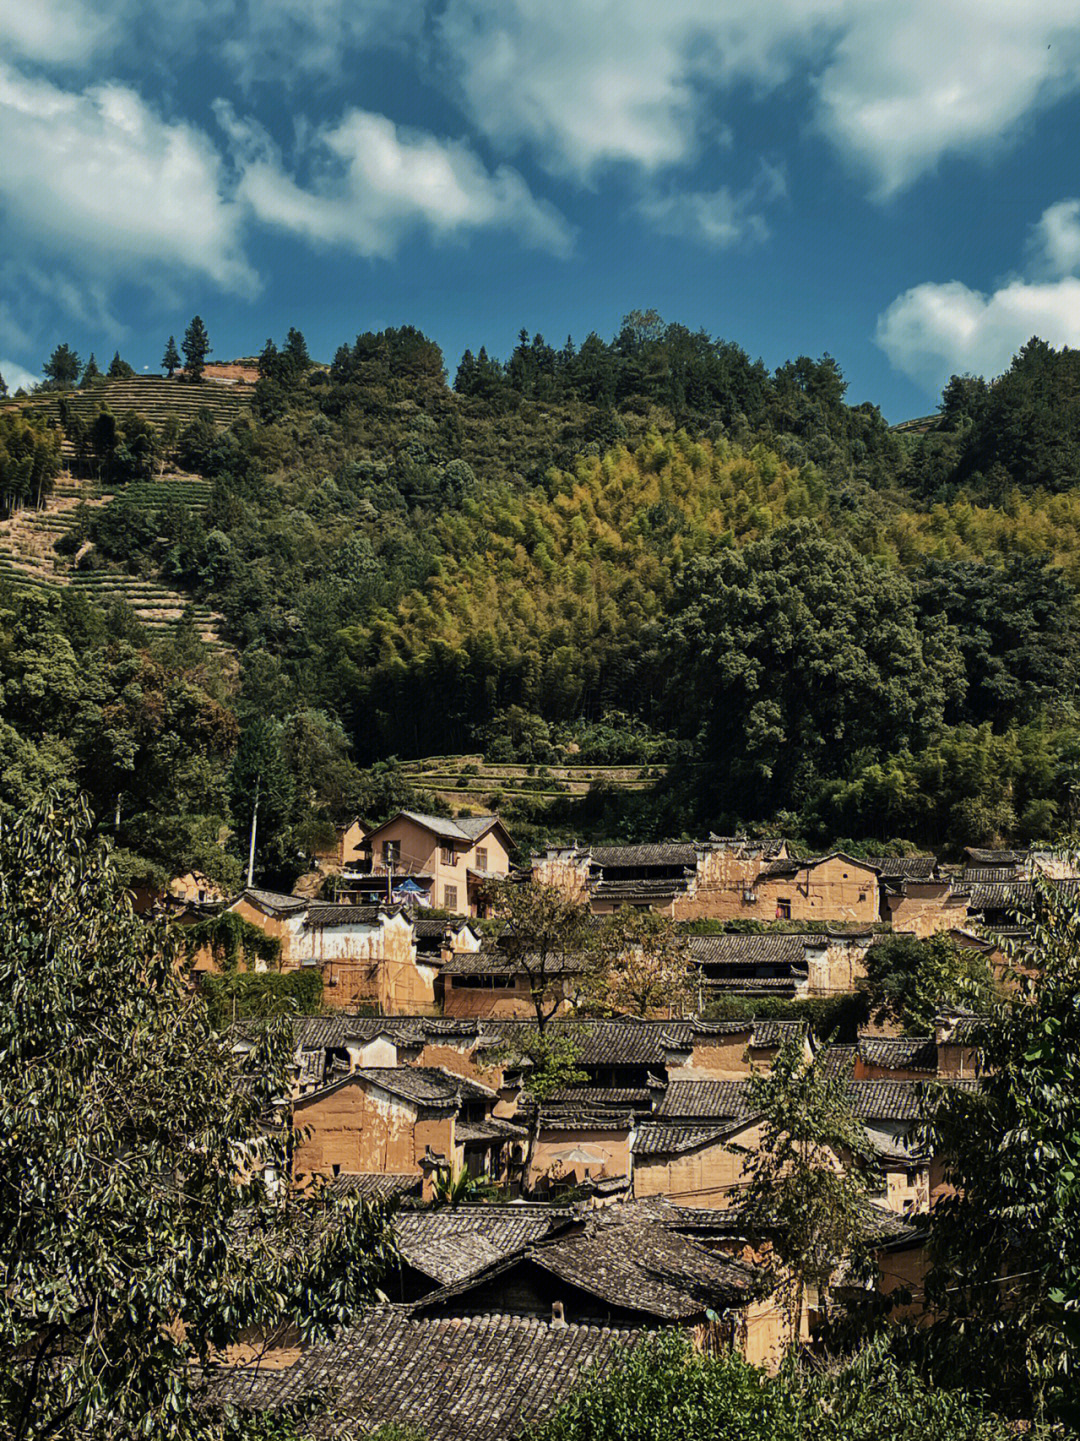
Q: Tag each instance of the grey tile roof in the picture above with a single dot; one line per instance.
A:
(981, 857)
(989, 875)
(275, 901)
(912, 868)
(425, 1084)
(660, 1138)
(836, 1060)
(640, 1097)
(465, 828)
(637, 890)
(892, 1100)
(493, 1130)
(323, 914)
(666, 853)
(899, 1053)
(705, 1100)
(449, 1245)
(377, 1185)
(484, 1378)
(770, 948)
(627, 1257)
(491, 960)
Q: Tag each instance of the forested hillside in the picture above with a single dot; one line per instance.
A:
(644, 550)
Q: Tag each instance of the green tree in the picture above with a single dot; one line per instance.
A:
(796, 653)
(1005, 1241)
(170, 361)
(805, 1187)
(551, 939)
(263, 798)
(650, 970)
(665, 1389)
(91, 375)
(62, 368)
(196, 347)
(909, 980)
(120, 369)
(138, 1234)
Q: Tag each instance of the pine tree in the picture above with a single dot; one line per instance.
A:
(119, 369)
(170, 361)
(61, 370)
(196, 348)
(91, 375)
(295, 351)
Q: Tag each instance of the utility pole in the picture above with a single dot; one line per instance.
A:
(251, 848)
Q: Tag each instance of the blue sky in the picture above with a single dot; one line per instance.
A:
(896, 184)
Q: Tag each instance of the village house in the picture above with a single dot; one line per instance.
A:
(724, 878)
(439, 1248)
(433, 861)
(366, 955)
(486, 982)
(625, 1265)
(402, 1120)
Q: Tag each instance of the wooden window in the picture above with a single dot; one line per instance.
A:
(450, 897)
(447, 856)
(481, 858)
(391, 853)
(783, 909)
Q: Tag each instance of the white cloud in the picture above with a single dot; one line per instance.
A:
(910, 83)
(896, 86)
(102, 180)
(719, 218)
(933, 331)
(591, 82)
(16, 378)
(58, 32)
(1055, 242)
(372, 183)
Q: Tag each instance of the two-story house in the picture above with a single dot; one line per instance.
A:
(440, 862)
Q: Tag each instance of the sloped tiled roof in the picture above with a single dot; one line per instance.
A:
(491, 959)
(465, 828)
(377, 1185)
(981, 857)
(912, 868)
(425, 1084)
(836, 1060)
(493, 1130)
(892, 1100)
(449, 1245)
(275, 901)
(482, 1378)
(666, 853)
(627, 1257)
(705, 1100)
(323, 914)
(899, 1053)
(770, 948)
(659, 1138)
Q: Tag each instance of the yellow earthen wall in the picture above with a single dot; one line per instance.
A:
(612, 1146)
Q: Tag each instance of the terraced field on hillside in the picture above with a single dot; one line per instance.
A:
(152, 396)
(470, 781)
(28, 556)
